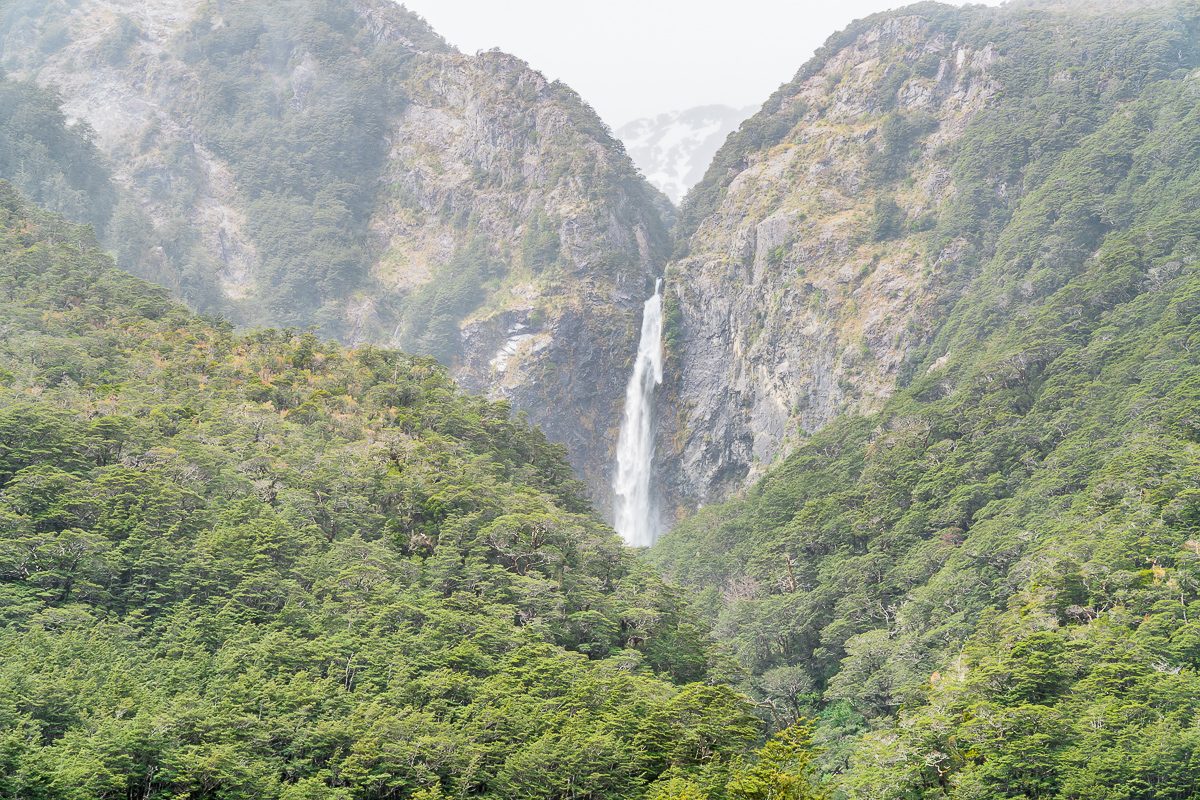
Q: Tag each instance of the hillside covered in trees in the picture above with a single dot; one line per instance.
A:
(932, 337)
(991, 588)
(337, 166)
(264, 566)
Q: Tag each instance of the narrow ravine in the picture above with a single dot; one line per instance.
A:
(634, 513)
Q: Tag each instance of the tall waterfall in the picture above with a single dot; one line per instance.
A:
(635, 447)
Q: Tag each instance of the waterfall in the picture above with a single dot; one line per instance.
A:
(635, 447)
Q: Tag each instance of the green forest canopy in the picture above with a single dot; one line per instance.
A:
(265, 566)
(261, 565)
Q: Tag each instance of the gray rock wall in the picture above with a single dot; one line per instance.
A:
(789, 308)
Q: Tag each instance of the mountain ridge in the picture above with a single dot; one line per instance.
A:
(979, 584)
(339, 166)
(841, 214)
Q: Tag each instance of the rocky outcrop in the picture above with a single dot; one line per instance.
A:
(458, 204)
(833, 248)
(811, 277)
(580, 236)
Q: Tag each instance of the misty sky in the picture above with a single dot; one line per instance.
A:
(634, 58)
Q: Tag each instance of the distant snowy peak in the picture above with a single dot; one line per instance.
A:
(673, 150)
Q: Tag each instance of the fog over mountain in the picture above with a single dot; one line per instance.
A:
(673, 150)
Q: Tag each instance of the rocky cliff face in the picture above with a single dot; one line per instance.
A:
(804, 288)
(337, 165)
(576, 234)
(827, 246)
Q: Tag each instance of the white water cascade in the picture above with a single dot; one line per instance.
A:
(635, 447)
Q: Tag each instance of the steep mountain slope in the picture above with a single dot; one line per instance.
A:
(820, 255)
(54, 163)
(264, 566)
(337, 165)
(990, 587)
(674, 150)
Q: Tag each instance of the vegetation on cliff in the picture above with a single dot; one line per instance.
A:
(336, 166)
(54, 164)
(991, 588)
(262, 565)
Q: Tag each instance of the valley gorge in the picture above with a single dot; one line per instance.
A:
(371, 428)
(673, 150)
(803, 285)
(480, 250)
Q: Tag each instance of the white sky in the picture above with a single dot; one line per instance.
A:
(636, 58)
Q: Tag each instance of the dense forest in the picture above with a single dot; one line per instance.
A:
(991, 588)
(246, 563)
(262, 565)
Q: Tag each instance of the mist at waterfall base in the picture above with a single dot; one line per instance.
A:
(634, 513)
